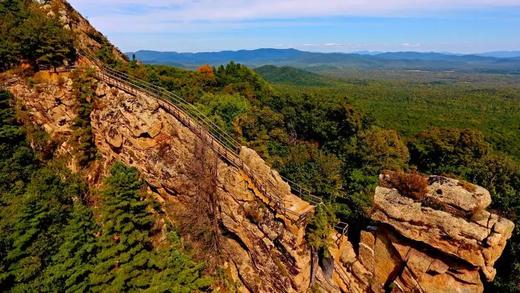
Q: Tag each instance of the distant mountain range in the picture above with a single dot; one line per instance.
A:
(493, 62)
(502, 54)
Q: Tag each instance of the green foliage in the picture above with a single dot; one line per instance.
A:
(293, 76)
(73, 262)
(313, 169)
(223, 108)
(37, 232)
(126, 260)
(37, 205)
(84, 90)
(321, 228)
(30, 34)
(489, 103)
(234, 78)
(124, 242)
(263, 130)
(380, 149)
(16, 158)
(446, 150)
(327, 120)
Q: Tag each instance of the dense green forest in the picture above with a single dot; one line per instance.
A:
(333, 138)
(411, 102)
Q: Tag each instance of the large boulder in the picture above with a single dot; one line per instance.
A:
(450, 219)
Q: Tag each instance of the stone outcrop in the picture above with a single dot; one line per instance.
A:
(88, 38)
(49, 100)
(444, 242)
(473, 235)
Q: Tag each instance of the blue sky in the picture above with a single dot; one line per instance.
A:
(463, 26)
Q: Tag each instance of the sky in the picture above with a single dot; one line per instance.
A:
(458, 26)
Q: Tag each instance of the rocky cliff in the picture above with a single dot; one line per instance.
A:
(263, 247)
(444, 241)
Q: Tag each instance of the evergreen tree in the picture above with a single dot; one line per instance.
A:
(41, 215)
(73, 262)
(17, 160)
(84, 85)
(29, 34)
(127, 260)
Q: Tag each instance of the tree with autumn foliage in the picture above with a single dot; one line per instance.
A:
(207, 75)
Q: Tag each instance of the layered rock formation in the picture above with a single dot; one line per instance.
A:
(261, 245)
(444, 242)
(264, 245)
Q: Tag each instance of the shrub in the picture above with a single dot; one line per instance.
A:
(412, 185)
(321, 228)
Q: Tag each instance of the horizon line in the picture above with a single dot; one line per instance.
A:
(358, 52)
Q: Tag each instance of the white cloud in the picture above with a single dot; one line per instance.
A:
(411, 45)
(333, 45)
(208, 10)
(191, 19)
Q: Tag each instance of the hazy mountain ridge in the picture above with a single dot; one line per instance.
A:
(302, 59)
(501, 54)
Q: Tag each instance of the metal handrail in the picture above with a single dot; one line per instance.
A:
(222, 143)
(191, 108)
(226, 139)
(342, 228)
(229, 155)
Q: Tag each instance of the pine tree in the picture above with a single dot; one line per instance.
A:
(127, 260)
(36, 234)
(125, 247)
(73, 263)
(17, 161)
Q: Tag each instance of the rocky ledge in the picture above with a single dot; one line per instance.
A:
(444, 240)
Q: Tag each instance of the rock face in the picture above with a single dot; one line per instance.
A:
(264, 246)
(472, 235)
(444, 242)
(88, 37)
